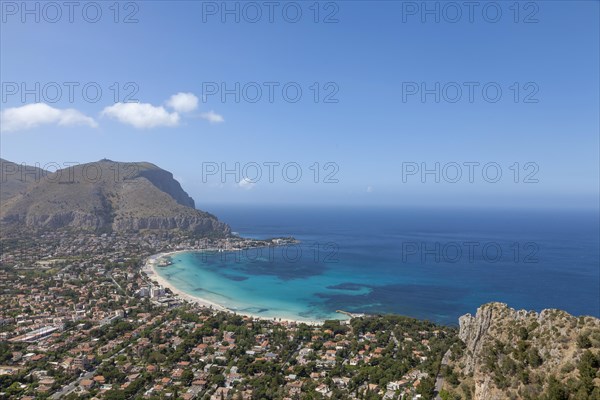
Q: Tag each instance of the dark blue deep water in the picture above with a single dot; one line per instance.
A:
(430, 264)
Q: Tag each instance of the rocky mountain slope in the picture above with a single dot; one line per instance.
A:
(509, 354)
(16, 178)
(104, 195)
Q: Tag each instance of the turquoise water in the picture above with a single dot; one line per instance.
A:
(228, 279)
(421, 263)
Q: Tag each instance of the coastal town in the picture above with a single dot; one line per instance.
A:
(79, 318)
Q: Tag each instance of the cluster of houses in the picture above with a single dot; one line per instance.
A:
(54, 324)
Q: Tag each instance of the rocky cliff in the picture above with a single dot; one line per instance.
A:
(510, 354)
(105, 195)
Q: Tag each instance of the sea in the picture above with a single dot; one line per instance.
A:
(424, 263)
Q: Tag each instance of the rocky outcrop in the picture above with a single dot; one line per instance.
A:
(59, 220)
(164, 181)
(508, 353)
(199, 225)
(472, 332)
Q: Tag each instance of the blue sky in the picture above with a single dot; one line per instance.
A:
(368, 61)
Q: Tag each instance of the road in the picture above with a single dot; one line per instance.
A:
(88, 375)
(119, 286)
(439, 380)
(72, 386)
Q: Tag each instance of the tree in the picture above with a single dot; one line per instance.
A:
(588, 368)
(426, 388)
(584, 342)
(115, 395)
(446, 395)
(556, 390)
(187, 376)
(217, 379)
(533, 358)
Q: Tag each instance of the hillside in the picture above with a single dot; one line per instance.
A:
(16, 178)
(509, 354)
(105, 195)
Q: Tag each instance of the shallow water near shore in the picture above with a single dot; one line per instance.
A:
(435, 265)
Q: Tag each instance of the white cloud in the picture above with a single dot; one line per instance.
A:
(246, 184)
(212, 117)
(183, 102)
(141, 115)
(33, 115)
(370, 189)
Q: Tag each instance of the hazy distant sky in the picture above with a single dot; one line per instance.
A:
(366, 61)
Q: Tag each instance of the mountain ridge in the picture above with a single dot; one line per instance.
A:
(101, 195)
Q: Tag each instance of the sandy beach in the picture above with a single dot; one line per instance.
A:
(149, 269)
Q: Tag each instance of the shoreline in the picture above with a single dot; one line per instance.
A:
(149, 269)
